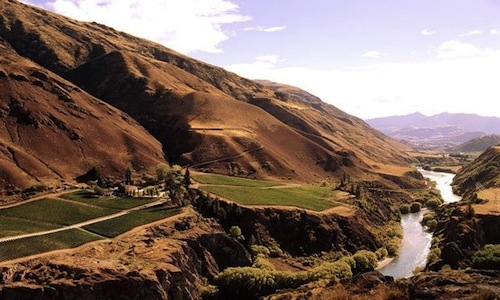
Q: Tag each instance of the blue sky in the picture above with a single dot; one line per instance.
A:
(368, 58)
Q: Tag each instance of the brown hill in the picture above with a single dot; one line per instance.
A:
(51, 130)
(484, 170)
(204, 116)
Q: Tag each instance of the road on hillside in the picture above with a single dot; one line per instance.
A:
(82, 224)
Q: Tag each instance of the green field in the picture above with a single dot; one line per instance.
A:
(215, 179)
(114, 227)
(85, 197)
(14, 226)
(47, 214)
(56, 211)
(50, 242)
(308, 197)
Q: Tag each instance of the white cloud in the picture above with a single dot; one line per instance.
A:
(455, 49)
(265, 29)
(428, 32)
(472, 32)
(493, 31)
(373, 54)
(270, 58)
(464, 84)
(183, 25)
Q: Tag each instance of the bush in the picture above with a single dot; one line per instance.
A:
(431, 224)
(260, 250)
(235, 232)
(415, 207)
(393, 247)
(262, 278)
(404, 209)
(365, 261)
(487, 258)
(381, 253)
(432, 203)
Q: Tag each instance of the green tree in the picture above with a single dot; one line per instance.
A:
(187, 178)
(129, 175)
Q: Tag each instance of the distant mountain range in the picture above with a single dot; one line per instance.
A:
(442, 130)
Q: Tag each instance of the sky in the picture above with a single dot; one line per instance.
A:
(369, 58)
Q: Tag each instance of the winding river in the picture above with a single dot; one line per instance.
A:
(416, 242)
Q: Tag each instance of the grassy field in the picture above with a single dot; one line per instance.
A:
(14, 226)
(308, 197)
(50, 242)
(85, 197)
(215, 179)
(56, 211)
(114, 227)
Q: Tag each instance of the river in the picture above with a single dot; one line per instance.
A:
(416, 241)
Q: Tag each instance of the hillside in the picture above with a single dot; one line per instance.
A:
(52, 131)
(484, 170)
(479, 144)
(204, 116)
(438, 130)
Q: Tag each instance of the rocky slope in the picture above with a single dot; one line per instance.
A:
(53, 131)
(484, 170)
(204, 116)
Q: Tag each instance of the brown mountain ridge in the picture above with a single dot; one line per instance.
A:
(203, 116)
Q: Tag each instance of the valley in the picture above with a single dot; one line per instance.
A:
(129, 170)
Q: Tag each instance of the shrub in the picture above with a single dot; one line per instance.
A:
(404, 209)
(431, 224)
(433, 255)
(415, 207)
(365, 261)
(393, 247)
(381, 253)
(262, 263)
(330, 270)
(260, 250)
(432, 203)
(487, 258)
(235, 232)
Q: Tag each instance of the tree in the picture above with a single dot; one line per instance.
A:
(235, 232)
(187, 178)
(129, 174)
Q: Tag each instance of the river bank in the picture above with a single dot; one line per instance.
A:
(416, 242)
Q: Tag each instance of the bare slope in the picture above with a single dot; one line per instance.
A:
(201, 113)
(51, 130)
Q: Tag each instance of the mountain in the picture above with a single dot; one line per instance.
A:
(204, 116)
(437, 130)
(53, 131)
(479, 144)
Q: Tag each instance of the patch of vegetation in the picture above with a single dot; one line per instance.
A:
(119, 203)
(116, 226)
(313, 198)
(15, 226)
(404, 209)
(56, 211)
(415, 207)
(44, 243)
(262, 278)
(216, 179)
(487, 258)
